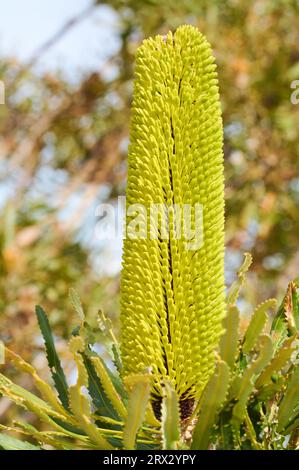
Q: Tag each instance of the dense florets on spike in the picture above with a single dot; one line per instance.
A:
(172, 296)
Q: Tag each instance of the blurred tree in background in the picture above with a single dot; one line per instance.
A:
(63, 150)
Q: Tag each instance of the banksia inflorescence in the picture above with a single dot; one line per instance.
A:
(172, 284)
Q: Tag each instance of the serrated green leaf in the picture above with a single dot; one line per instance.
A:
(108, 387)
(170, 421)
(256, 325)
(286, 321)
(11, 443)
(139, 394)
(212, 399)
(245, 384)
(105, 325)
(52, 357)
(58, 440)
(229, 340)
(226, 431)
(97, 392)
(76, 303)
(235, 288)
(46, 391)
(292, 425)
(150, 417)
(79, 402)
(23, 397)
(81, 409)
(280, 359)
(250, 432)
(39, 407)
(269, 391)
(117, 358)
(290, 402)
(295, 308)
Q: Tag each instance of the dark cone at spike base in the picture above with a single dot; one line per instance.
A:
(186, 407)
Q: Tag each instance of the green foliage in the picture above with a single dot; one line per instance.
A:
(229, 342)
(239, 282)
(76, 303)
(102, 419)
(261, 399)
(52, 357)
(256, 325)
(10, 443)
(250, 402)
(210, 402)
(289, 406)
(139, 394)
(170, 418)
(286, 322)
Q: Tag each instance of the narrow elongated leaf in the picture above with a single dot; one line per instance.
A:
(150, 416)
(279, 329)
(21, 396)
(213, 397)
(286, 321)
(11, 443)
(79, 402)
(292, 425)
(139, 393)
(97, 392)
(229, 340)
(108, 387)
(280, 359)
(117, 358)
(53, 359)
(250, 431)
(247, 381)
(76, 303)
(81, 409)
(295, 303)
(235, 288)
(46, 391)
(58, 440)
(290, 401)
(106, 327)
(269, 391)
(170, 418)
(291, 309)
(256, 325)
(32, 403)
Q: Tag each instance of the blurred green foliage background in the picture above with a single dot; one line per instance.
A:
(63, 149)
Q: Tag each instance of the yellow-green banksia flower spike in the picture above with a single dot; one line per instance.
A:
(172, 282)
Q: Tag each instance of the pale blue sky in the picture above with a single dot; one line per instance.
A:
(26, 24)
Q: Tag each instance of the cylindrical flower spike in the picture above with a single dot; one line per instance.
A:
(172, 282)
